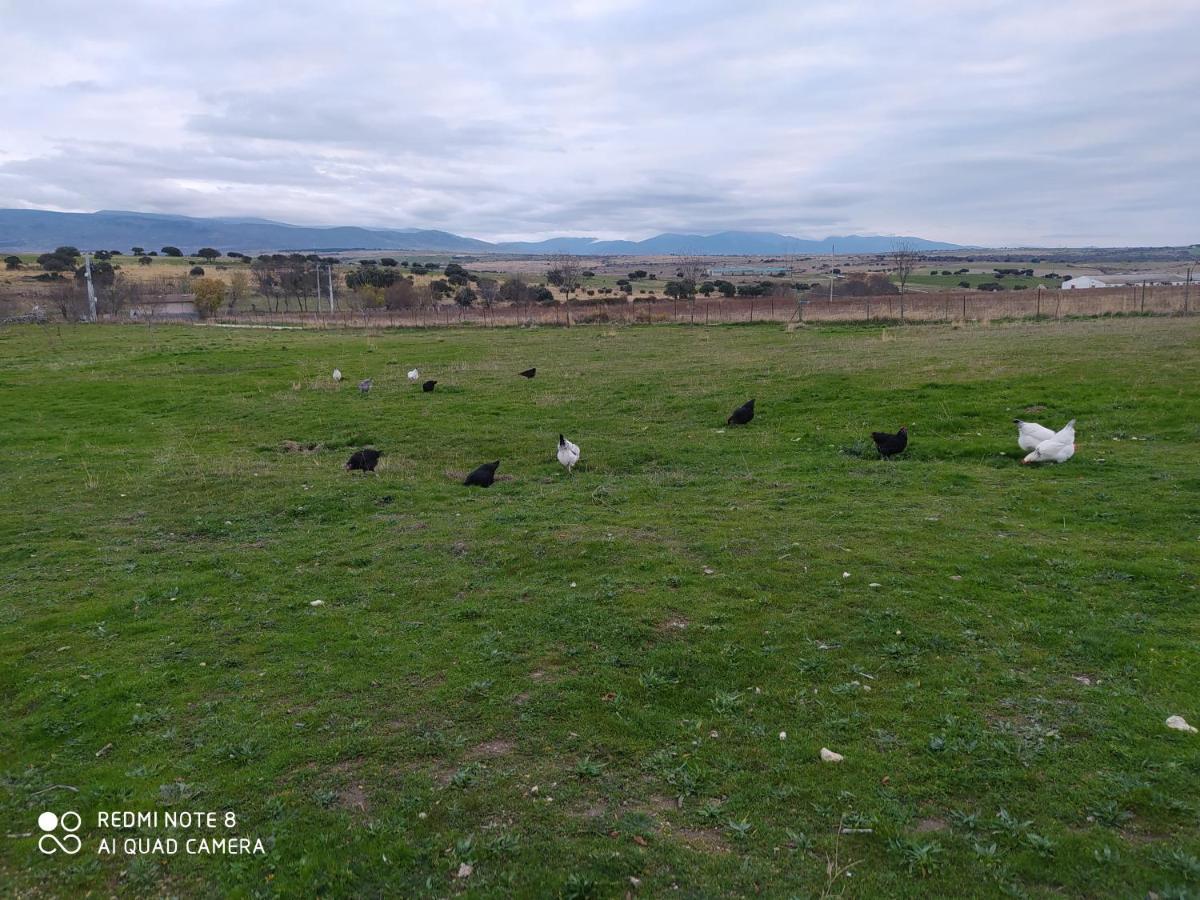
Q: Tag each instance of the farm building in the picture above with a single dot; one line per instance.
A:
(1090, 281)
(167, 306)
(1083, 281)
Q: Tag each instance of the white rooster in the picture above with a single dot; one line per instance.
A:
(568, 453)
(1030, 434)
(413, 374)
(1057, 448)
(337, 375)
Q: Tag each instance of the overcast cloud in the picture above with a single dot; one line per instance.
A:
(998, 123)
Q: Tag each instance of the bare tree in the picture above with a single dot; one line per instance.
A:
(267, 279)
(239, 287)
(904, 259)
(693, 268)
(566, 275)
(488, 290)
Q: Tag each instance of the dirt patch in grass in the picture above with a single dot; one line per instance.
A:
(925, 826)
(1143, 837)
(353, 797)
(299, 447)
(673, 625)
(492, 749)
(705, 840)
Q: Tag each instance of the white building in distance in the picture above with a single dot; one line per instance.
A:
(1083, 281)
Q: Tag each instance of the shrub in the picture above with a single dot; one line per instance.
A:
(12, 262)
(370, 276)
(171, 251)
(208, 295)
(513, 290)
(196, 272)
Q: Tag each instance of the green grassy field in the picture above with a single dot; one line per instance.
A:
(568, 682)
(975, 279)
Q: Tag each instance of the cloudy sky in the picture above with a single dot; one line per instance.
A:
(1000, 123)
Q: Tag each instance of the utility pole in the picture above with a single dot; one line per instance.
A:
(832, 260)
(87, 269)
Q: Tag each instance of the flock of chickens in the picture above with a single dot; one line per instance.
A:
(1041, 443)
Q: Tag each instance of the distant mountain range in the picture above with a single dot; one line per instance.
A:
(33, 229)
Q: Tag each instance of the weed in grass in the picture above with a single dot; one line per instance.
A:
(1106, 855)
(739, 829)
(1185, 863)
(581, 887)
(965, 821)
(725, 703)
(467, 776)
(1110, 814)
(1042, 845)
(919, 857)
(588, 768)
(798, 840)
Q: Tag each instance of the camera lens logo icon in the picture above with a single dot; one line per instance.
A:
(50, 843)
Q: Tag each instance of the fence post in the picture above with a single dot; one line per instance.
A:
(751, 309)
(1038, 315)
(1143, 309)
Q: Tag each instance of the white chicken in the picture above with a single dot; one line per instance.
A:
(337, 375)
(568, 453)
(1057, 448)
(1030, 434)
(413, 374)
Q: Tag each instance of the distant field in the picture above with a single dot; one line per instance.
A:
(565, 682)
(975, 279)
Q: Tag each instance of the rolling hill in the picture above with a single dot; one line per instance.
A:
(33, 229)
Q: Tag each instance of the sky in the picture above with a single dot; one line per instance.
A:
(1003, 123)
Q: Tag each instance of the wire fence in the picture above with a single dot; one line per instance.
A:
(973, 306)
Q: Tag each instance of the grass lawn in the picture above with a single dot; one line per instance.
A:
(565, 682)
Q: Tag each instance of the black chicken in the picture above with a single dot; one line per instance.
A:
(528, 373)
(742, 415)
(890, 444)
(363, 460)
(428, 386)
(484, 475)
